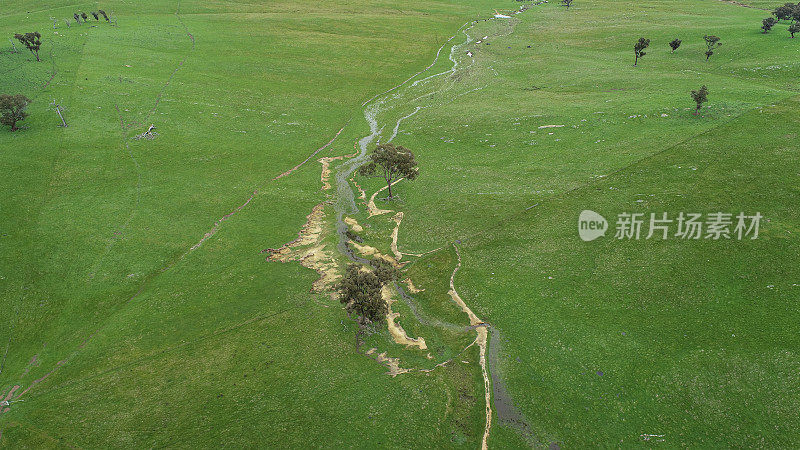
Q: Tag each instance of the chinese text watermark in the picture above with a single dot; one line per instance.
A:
(687, 226)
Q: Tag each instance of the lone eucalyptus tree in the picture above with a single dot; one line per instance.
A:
(674, 44)
(700, 97)
(390, 163)
(32, 41)
(12, 109)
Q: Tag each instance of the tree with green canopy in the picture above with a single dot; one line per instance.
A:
(32, 41)
(391, 163)
(767, 24)
(12, 109)
(360, 292)
(712, 42)
(638, 49)
(700, 97)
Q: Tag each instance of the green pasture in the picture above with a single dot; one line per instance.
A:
(141, 312)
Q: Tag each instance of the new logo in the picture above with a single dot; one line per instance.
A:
(591, 225)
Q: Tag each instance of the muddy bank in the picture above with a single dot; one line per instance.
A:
(507, 413)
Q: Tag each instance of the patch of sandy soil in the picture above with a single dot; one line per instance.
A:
(361, 194)
(411, 288)
(367, 250)
(353, 224)
(392, 363)
(374, 210)
(326, 166)
(398, 333)
(397, 219)
(481, 340)
(326, 169)
(309, 250)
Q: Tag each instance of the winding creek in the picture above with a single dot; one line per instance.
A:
(413, 97)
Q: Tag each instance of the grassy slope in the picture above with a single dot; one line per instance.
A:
(222, 313)
(696, 340)
(221, 342)
(697, 360)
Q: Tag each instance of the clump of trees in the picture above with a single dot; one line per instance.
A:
(638, 49)
(700, 97)
(12, 109)
(83, 17)
(767, 24)
(712, 42)
(32, 41)
(360, 291)
(384, 270)
(391, 163)
(674, 44)
(788, 11)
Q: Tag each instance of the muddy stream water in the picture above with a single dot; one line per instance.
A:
(426, 89)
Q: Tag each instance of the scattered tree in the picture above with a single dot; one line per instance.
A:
(77, 18)
(675, 44)
(566, 3)
(794, 28)
(103, 13)
(360, 292)
(32, 41)
(712, 42)
(638, 49)
(784, 12)
(12, 109)
(391, 163)
(768, 23)
(96, 16)
(789, 11)
(700, 97)
(67, 21)
(84, 16)
(13, 46)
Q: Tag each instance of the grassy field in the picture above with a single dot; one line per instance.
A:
(141, 311)
(138, 340)
(607, 341)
